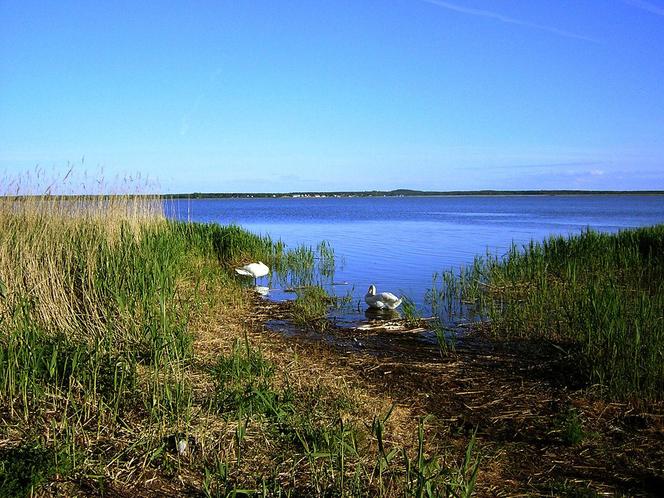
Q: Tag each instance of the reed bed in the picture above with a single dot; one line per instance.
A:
(598, 296)
(96, 297)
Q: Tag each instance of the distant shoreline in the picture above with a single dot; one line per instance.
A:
(407, 193)
(354, 194)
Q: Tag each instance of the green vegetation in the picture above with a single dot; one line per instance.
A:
(134, 361)
(304, 266)
(599, 297)
(126, 360)
(24, 468)
(411, 314)
(572, 428)
(310, 309)
(426, 476)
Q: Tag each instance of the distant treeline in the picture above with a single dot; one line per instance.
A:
(361, 193)
(408, 193)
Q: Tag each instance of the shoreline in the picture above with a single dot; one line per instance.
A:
(519, 398)
(342, 194)
(409, 194)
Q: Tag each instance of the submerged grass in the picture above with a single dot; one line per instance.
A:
(310, 309)
(599, 296)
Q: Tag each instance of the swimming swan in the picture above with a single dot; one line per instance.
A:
(382, 300)
(255, 270)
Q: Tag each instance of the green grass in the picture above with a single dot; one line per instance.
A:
(87, 303)
(24, 468)
(599, 296)
(310, 309)
(335, 457)
(243, 383)
(426, 475)
(572, 432)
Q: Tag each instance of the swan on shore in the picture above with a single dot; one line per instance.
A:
(255, 270)
(382, 300)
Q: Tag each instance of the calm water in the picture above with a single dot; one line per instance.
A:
(398, 243)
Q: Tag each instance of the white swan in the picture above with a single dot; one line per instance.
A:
(255, 270)
(382, 300)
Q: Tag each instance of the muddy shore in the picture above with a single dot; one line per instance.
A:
(540, 431)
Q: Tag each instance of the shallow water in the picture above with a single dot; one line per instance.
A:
(398, 243)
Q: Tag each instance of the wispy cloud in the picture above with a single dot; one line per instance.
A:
(647, 6)
(510, 20)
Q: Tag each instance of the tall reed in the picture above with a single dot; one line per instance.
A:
(96, 297)
(601, 294)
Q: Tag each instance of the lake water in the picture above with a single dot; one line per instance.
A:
(398, 243)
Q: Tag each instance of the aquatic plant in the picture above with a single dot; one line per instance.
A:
(310, 309)
(304, 266)
(411, 313)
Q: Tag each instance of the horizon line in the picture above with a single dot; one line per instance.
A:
(400, 192)
(407, 193)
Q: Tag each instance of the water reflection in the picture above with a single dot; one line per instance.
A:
(262, 290)
(384, 314)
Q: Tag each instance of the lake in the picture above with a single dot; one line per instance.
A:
(398, 243)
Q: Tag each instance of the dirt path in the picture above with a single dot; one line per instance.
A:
(539, 431)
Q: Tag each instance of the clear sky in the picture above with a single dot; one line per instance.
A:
(337, 95)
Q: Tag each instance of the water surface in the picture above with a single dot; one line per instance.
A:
(398, 243)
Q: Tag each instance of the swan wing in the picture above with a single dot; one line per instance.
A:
(255, 270)
(394, 305)
(388, 297)
(259, 269)
(374, 301)
(262, 269)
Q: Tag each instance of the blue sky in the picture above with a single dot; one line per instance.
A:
(336, 95)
